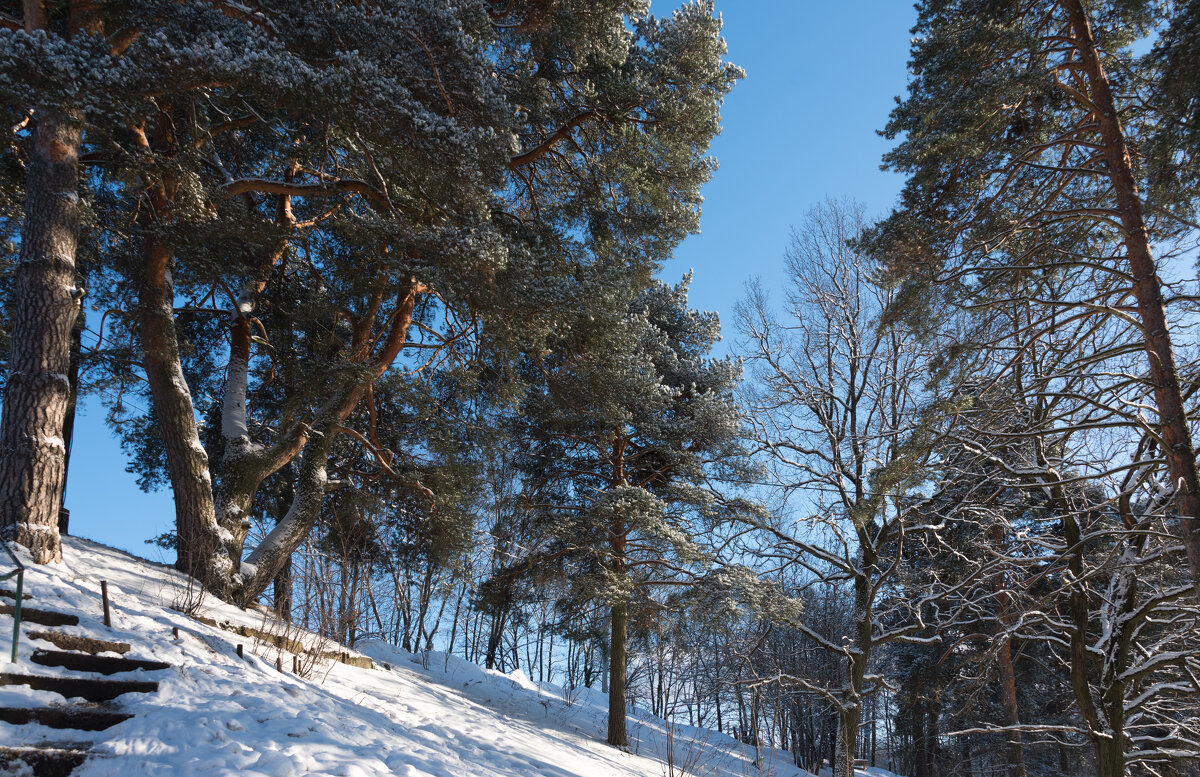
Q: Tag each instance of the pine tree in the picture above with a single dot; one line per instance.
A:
(1020, 138)
(257, 191)
(1173, 150)
(630, 418)
(1051, 539)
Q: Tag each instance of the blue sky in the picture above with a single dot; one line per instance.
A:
(821, 78)
(820, 81)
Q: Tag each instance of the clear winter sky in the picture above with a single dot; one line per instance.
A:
(821, 78)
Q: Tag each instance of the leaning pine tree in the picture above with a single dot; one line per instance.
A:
(1022, 135)
(630, 418)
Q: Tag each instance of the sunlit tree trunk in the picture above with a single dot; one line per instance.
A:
(37, 390)
(1147, 290)
(45, 304)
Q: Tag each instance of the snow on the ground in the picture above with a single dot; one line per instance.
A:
(423, 716)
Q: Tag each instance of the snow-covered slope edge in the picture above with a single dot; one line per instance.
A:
(218, 714)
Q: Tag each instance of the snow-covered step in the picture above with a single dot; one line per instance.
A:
(86, 662)
(46, 759)
(77, 718)
(79, 687)
(7, 594)
(41, 617)
(76, 642)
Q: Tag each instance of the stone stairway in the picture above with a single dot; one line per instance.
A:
(88, 692)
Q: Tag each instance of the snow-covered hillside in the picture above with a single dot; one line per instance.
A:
(416, 716)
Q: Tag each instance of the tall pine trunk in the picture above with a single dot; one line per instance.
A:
(1147, 290)
(1014, 746)
(1008, 693)
(197, 535)
(617, 736)
(37, 390)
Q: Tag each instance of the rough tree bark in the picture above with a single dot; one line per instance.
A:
(37, 390)
(617, 736)
(848, 720)
(197, 534)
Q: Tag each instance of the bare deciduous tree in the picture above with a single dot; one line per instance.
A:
(835, 408)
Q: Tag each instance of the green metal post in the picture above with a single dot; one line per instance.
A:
(18, 573)
(17, 613)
